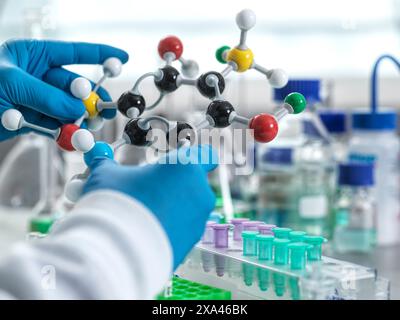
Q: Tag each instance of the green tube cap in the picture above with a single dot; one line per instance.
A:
(297, 236)
(249, 234)
(315, 240)
(281, 233)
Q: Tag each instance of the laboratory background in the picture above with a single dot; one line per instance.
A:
(309, 211)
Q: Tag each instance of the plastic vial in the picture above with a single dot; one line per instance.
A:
(264, 276)
(277, 186)
(374, 140)
(355, 208)
(281, 251)
(281, 233)
(221, 232)
(249, 243)
(298, 251)
(314, 251)
(238, 228)
(265, 246)
(316, 171)
(266, 229)
(208, 236)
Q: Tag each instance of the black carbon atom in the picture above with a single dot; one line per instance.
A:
(137, 136)
(168, 81)
(205, 89)
(220, 111)
(182, 131)
(130, 100)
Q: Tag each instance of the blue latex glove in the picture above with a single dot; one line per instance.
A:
(178, 194)
(33, 81)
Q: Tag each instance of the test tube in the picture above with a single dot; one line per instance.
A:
(294, 288)
(264, 245)
(298, 252)
(263, 279)
(314, 252)
(297, 236)
(281, 251)
(249, 243)
(238, 228)
(221, 232)
(208, 236)
(220, 262)
(248, 274)
(281, 233)
(280, 284)
(251, 225)
(206, 259)
(266, 229)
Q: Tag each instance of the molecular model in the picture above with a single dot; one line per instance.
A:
(219, 114)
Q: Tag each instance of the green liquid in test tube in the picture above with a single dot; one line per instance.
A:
(281, 251)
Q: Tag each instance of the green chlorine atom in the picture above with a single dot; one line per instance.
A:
(41, 224)
(297, 102)
(219, 54)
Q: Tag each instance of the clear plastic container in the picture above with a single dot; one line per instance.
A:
(355, 209)
(374, 140)
(315, 167)
(277, 185)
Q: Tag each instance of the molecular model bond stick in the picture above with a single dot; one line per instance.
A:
(220, 113)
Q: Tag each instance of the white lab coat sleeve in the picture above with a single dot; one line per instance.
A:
(108, 247)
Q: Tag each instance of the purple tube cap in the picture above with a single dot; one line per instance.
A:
(221, 226)
(239, 220)
(251, 223)
(266, 226)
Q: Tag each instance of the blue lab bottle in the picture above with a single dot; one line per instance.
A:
(374, 140)
(355, 209)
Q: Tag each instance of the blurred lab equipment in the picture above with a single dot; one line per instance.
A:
(316, 173)
(355, 209)
(277, 185)
(374, 140)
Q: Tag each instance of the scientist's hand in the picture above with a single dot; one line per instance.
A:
(178, 194)
(33, 81)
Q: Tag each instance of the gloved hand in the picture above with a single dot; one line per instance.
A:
(33, 81)
(177, 194)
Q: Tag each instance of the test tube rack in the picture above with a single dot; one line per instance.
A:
(247, 277)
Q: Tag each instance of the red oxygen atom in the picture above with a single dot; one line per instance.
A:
(170, 44)
(65, 136)
(265, 127)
